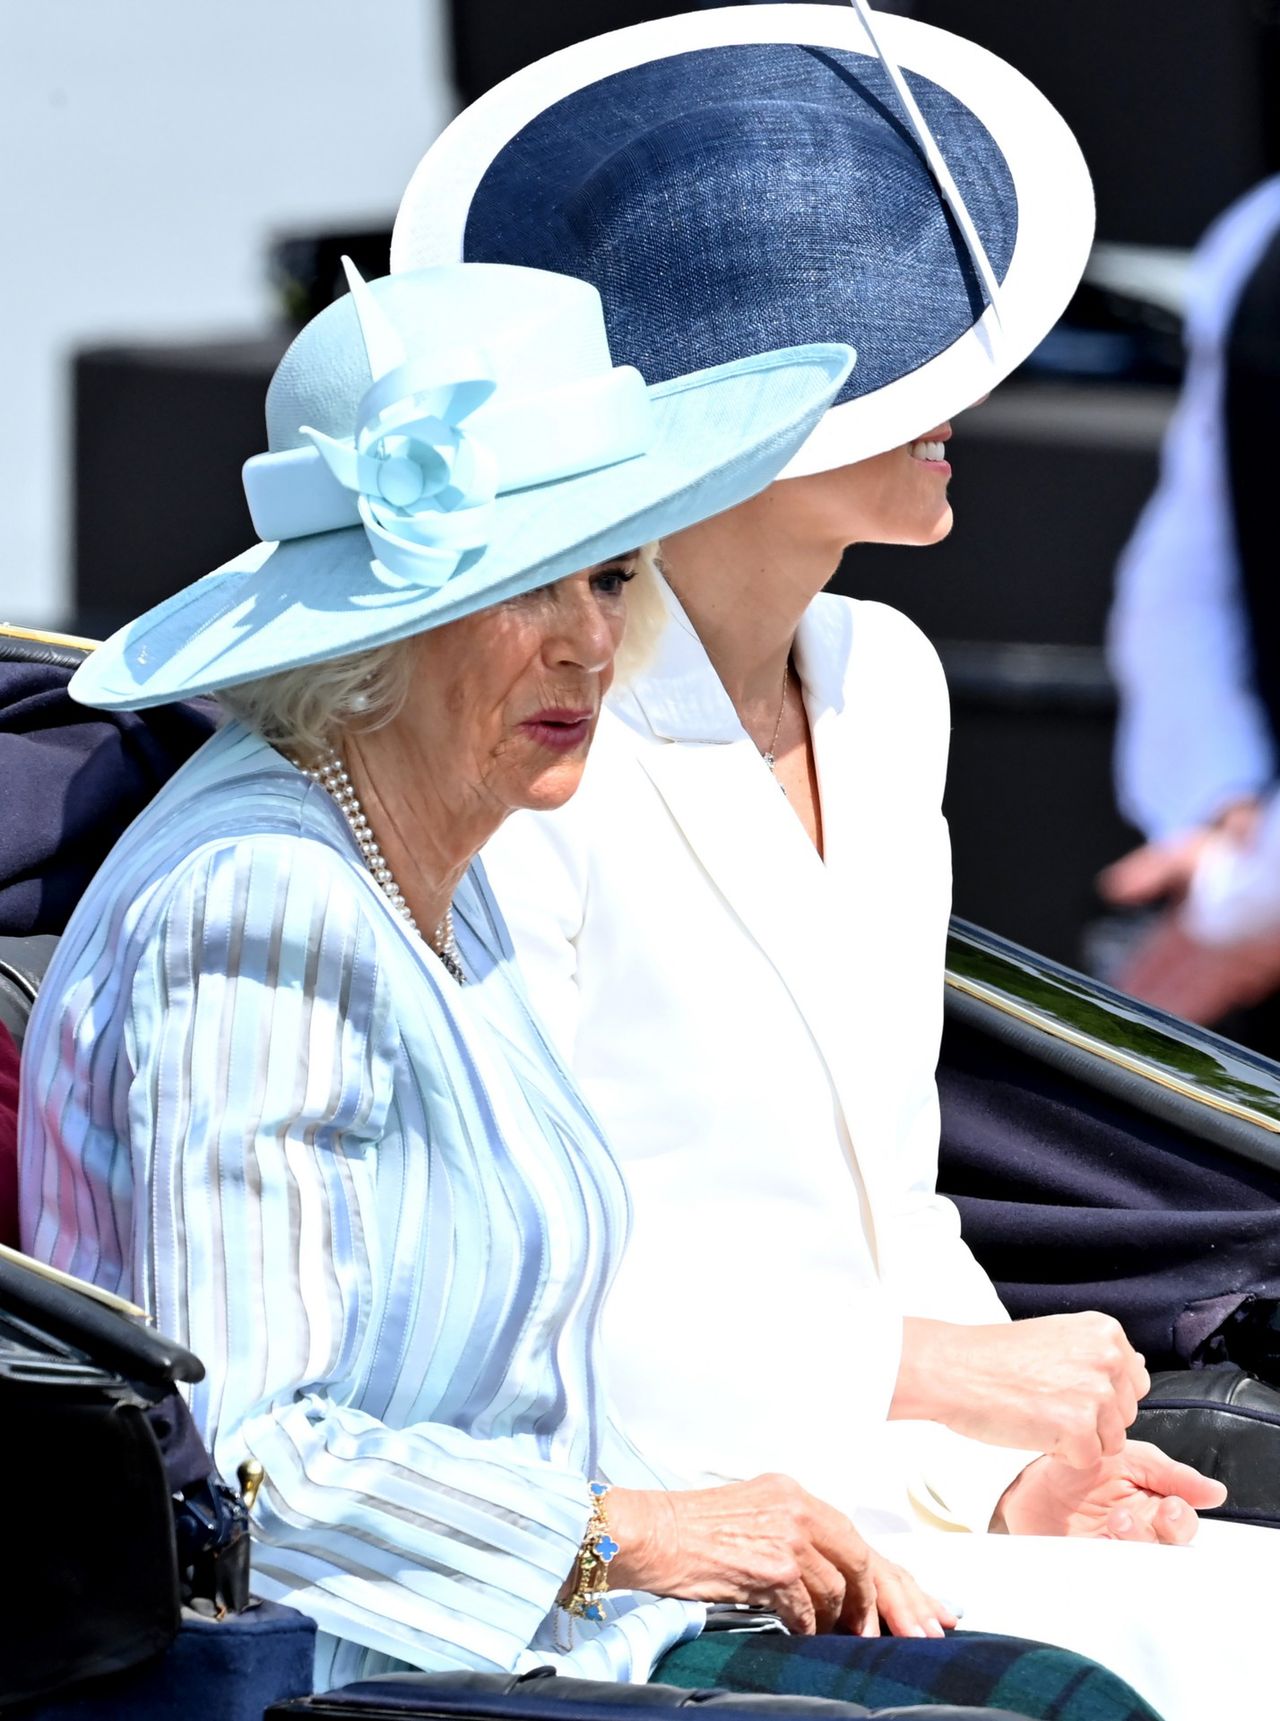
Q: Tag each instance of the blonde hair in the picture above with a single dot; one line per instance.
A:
(306, 710)
(646, 616)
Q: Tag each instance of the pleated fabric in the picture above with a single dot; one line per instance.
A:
(370, 1199)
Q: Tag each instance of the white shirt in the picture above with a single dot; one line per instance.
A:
(1193, 736)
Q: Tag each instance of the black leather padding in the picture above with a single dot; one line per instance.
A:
(544, 1695)
(16, 649)
(1226, 1423)
(23, 962)
(94, 1581)
(148, 1361)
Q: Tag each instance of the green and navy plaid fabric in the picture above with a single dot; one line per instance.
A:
(967, 1667)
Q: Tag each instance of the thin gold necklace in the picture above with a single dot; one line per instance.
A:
(769, 755)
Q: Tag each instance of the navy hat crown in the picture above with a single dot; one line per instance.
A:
(743, 173)
(796, 201)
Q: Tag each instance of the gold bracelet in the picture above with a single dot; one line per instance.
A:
(598, 1547)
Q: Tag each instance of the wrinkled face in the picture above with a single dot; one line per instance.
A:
(899, 497)
(504, 703)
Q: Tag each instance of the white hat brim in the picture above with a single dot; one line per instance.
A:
(1050, 178)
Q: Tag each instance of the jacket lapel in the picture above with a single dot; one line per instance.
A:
(749, 841)
(838, 712)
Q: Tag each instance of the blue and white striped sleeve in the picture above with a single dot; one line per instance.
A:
(264, 1055)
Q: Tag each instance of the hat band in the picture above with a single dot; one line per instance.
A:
(422, 481)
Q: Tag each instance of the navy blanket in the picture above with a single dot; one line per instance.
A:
(1074, 1200)
(71, 780)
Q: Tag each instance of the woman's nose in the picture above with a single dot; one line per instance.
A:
(582, 638)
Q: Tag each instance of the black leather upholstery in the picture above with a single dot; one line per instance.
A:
(15, 648)
(543, 1695)
(23, 962)
(1226, 1423)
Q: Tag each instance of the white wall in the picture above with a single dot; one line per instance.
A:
(148, 149)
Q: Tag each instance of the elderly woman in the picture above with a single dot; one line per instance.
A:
(282, 1086)
(779, 956)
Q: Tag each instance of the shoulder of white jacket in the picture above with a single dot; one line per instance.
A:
(886, 622)
(866, 631)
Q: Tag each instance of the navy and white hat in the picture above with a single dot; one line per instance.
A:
(750, 177)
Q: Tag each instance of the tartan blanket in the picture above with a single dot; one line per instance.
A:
(975, 1668)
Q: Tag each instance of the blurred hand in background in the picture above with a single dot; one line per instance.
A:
(1216, 947)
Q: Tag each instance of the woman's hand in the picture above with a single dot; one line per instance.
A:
(769, 1543)
(1163, 871)
(1171, 965)
(1067, 1385)
(1141, 1495)
(1203, 982)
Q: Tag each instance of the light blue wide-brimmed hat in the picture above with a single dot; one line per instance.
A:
(442, 440)
(744, 177)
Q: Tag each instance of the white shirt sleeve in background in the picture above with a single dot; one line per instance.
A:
(1193, 735)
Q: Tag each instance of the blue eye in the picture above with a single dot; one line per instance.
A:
(610, 581)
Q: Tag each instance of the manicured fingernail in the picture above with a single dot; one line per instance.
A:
(933, 1628)
(917, 1631)
(1173, 1509)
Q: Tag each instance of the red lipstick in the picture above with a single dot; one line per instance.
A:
(561, 728)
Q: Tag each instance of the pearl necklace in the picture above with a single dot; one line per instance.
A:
(333, 776)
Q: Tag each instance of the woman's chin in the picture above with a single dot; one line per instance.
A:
(918, 531)
(555, 785)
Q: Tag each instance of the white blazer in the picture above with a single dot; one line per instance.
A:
(757, 1030)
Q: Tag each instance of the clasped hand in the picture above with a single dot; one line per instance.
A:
(1139, 1495)
(1067, 1385)
(769, 1543)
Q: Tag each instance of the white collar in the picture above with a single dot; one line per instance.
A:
(679, 697)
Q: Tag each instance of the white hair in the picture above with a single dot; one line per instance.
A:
(306, 710)
(646, 616)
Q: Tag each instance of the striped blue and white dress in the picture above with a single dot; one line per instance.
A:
(370, 1199)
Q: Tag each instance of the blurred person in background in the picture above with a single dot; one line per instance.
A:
(1195, 649)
